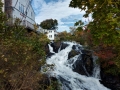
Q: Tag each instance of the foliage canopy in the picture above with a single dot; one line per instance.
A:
(106, 18)
(49, 24)
(104, 30)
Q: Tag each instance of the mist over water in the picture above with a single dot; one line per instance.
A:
(63, 70)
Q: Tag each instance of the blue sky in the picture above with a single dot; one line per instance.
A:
(57, 9)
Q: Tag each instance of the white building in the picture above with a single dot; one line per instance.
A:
(51, 34)
(21, 9)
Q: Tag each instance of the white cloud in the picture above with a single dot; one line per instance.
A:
(55, 10)
(69, 22)
(63, 28)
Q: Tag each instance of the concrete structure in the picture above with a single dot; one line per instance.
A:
(21, 9)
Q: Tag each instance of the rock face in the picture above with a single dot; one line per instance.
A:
(63, 46)
(56, 46)
(72, 54)
(84, 64)
(47, 49)
(110, 81)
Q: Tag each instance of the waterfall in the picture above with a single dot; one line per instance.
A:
(63, 71)
(51, 49)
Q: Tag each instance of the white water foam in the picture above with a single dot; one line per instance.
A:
(50, 48)
(69, 79)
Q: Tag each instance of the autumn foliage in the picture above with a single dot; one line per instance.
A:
(106, 56)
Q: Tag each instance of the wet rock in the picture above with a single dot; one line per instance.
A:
(50, 54)
(79, 68)
(63, 46)
(72, 53)
(74, 47)
(87, 52)
(84, 65)
(110, 81)
(47, 49)
(88, 63)
(77, 47)
(53, 78)
(56, 46)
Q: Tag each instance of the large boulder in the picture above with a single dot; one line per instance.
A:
(47, 49)
(63, 46)
(56, 46)
(72, 53)
(50, 54)
(84, 64)
(88, 63)
(109, 80)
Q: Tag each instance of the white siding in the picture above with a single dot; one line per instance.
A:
(24, 11)
(51, 34)
(3, 9)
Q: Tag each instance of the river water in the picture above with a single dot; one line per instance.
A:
(63, 70)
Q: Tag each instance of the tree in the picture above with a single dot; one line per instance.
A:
(72, 30)
(104, 28)
(49, 24)
(106, 19)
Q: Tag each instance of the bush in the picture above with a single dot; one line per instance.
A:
(21, 56)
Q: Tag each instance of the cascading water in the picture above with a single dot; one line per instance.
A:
(63, 71)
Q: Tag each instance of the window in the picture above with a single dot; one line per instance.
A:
(50, 31)
(50, 36)
(21, 8)
(27, 10)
